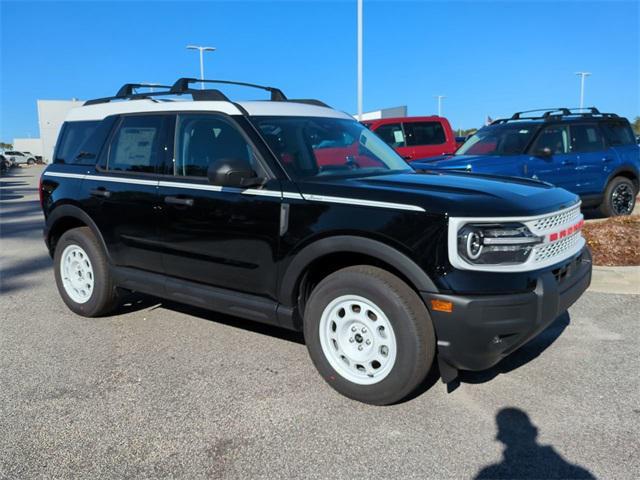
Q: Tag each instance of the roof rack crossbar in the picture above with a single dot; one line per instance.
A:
(127, 89)
(182, 86)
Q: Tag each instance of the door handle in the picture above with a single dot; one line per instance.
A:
(407, 157)
(607, 159)
(100, 192)
(567, 162)
(186, 202)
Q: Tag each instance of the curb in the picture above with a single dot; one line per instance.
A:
(623, 280)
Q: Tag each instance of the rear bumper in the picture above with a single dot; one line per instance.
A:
(481, 330)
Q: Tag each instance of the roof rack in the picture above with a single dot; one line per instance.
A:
(556, 113)
(182, 87)
(127, 92)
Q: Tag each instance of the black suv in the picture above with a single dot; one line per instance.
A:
(291, 213)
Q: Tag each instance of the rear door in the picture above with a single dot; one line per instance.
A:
(559, 168)
(215, 235)
(592, 157)
(122, 192)
(426, 139)
(393, 135)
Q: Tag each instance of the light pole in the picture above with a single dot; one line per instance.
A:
(582, 77)
(202, 50)
(359, 88)
(440, 97)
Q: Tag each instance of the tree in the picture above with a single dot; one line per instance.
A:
(636, 125)
(6, 146)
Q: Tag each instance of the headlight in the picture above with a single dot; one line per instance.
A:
(496, 244)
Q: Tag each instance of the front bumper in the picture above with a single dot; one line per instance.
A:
(481, 330)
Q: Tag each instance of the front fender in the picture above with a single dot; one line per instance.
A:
(350, 244)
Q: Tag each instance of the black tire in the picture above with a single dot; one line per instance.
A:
(31, 161)
(405, 311)
(105, 296)
(618, 187)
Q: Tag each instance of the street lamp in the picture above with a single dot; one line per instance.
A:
(202, 50)
(440, 97)
(582, 77)
(359, 34)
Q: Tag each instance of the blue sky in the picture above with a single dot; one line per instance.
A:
(487, 57)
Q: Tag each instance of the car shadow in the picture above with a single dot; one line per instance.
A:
(523, 457)
(522, 355)
(138, 301)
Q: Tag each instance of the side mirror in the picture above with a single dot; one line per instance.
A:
(544, 152)
(232, 172)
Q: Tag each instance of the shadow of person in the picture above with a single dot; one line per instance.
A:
(523, 457)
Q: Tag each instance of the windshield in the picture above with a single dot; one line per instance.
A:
(499, 140)
(321, 147)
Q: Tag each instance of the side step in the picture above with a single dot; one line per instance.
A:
(244, 305)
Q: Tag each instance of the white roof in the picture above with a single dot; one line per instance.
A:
(290, 109)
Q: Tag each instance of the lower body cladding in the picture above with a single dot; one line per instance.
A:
(476, 332)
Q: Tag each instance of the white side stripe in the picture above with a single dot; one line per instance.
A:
(65, 175)
(137, 181)
(248, 191)
(364, 203)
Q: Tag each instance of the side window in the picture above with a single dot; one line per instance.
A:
(556, 138)
(586, 138)
(392, 134)
(424, 133)
(136, 145)
(72, 138)
(618, 133)
(204, 139)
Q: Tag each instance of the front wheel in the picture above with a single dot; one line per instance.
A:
(369, 334)
(619, 198)
(31, 161)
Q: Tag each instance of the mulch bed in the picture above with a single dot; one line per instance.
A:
(614, 241)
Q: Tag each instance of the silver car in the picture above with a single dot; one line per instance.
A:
(20, 158)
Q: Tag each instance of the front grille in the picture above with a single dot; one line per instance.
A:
(568, 217)
(551, 250)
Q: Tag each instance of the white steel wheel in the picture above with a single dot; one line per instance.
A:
(357, 339)
(76, 273)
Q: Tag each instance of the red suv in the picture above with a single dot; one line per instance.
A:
(416, 137)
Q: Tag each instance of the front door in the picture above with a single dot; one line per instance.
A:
(393, 135)
(220, 236)
(122, 192)
(558, 168)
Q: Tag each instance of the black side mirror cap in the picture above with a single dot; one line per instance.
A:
(232, 172)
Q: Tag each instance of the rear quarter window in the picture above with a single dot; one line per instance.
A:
(618, 133)
(71, 143)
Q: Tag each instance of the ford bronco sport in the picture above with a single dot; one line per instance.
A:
(589, 153)
(291, 213)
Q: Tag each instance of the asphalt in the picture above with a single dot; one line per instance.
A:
(160, 390)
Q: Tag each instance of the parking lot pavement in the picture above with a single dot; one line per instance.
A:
(161, 390)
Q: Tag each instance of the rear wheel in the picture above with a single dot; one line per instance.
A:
(82, 274)
(619, 197)
(369, 334)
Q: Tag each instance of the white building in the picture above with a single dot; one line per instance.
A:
(51, 114)
(391, 112)
(31, 145)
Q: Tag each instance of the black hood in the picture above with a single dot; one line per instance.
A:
(452, 193)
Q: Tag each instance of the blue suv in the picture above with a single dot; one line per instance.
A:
(589, 153)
